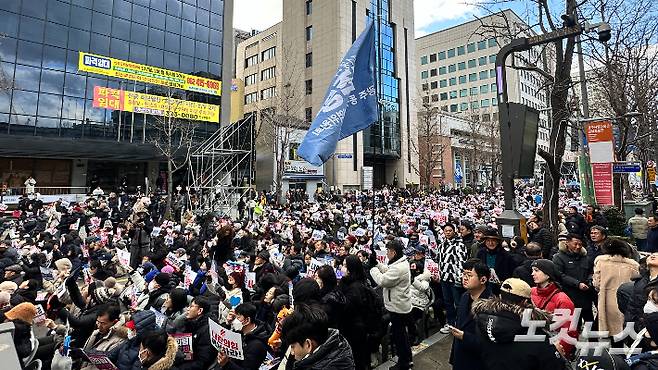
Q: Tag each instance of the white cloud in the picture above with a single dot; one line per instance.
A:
(428, 13)
(257, 14)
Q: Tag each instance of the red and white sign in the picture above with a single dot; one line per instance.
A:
(601, 151)
(226, 341)
(184, 341)
(433, 268)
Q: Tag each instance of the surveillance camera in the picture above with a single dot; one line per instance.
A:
(604, 32)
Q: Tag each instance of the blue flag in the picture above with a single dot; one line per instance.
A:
(350, 104)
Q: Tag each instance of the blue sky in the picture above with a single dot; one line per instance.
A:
(430, 15)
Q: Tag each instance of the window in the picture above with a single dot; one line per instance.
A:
(493, 88)
(425, 87)
(482, 61)
(492, 58)
(472, 77)
(309, 60)
(442, 70)
(471, 63)
(461, 66)
(475, 105)
(452, 68)
(423, 60)
(309, 87)
(433, 72)
(424, 75)
(484, 75)
(453, 81)
(252, 60)
(451, 53)
(474, 91)
(461, 50)
(267, 93)
(462, 79)
(444, 96)
(484, 89)
(492, 42)
(443, 83)
(486, 117)
(484, 103)
(432, 58)
(442, 55)
(267, 73)
(309, 33)
(309, 114)
(251, 98)
(470, 47)
(463, 93)
(251, 79)
(434, 85)
(482, 45)
(492, 73)
(435, 97)
(268, 54)
(463, 106)
(453, 108)
(309, 7)
(453, 94)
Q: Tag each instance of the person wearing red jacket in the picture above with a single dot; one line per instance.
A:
(548, 296)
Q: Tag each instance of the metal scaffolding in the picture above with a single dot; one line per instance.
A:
(222, 167)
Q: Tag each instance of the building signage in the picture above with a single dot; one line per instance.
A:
(627, 167)
(301, 169)
(344, 155)
(147, 74)
(367, 181)
(129, 101)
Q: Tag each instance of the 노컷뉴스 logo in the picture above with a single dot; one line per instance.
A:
(98, 62)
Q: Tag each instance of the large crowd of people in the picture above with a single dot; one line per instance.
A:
(324, 284)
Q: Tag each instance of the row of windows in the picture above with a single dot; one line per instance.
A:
(264, 55)
(264, 95)
(265, 74)
(55, 57)
(203, 11)
(451, 68)
(474, 105)
(471, 77)
(460, 50)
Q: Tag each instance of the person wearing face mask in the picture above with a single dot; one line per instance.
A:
(633, 304)
(157, 351)
(126, 356)
(158, 290)
(196, 323)
(254, 340)
(313, 345)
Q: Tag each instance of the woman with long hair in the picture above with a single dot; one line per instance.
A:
(354, 288)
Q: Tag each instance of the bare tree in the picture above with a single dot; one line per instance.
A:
(174, 139)
(280, 115)
(624, 75)
(431, 146)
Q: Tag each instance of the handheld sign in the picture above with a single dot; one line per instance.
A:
(226, 341)
(184, 341)
(100, 361)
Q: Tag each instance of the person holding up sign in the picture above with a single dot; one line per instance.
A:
(254, 340)
(196, 323)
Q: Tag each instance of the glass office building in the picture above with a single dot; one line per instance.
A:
(47, 120)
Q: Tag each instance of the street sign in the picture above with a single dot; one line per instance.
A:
(627, 167)
(651, 174)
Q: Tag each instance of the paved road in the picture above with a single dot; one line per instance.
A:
(432, 354)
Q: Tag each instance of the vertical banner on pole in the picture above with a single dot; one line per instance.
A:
(601, 152)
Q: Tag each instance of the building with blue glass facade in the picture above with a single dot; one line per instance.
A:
(319, 32)
(49, 128)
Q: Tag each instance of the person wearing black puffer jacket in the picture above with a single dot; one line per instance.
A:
(315, 346)
(353, 285)
(573, 267)
(540, 235)
(196, 323)
(332, 297)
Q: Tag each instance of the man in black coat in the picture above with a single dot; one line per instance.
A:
(314, 345)
(540, 235)
(196, 323)
(496, 258)
(254, 339)
(466, 346)
(532, 253)
(572, 265)
(575, 222)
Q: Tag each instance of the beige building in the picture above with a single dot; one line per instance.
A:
(310, 43)
(456, 72)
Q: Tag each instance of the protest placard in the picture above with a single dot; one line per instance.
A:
(250, 280)
(123, 255)
(184, 341)
(100, 361)
(40, 316)
(189, 277)
(226, 341)
(160, 318)
(432, 267)
(381, 256)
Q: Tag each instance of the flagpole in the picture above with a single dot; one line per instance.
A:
(378, 57)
